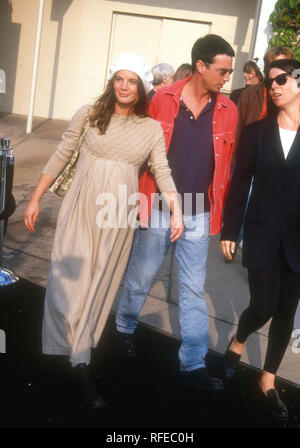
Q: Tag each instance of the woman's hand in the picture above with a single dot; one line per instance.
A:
(31, 214)
(176, 227)
(228, 248)
(32, 211)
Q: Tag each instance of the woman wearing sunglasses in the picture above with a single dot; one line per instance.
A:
(269, 150)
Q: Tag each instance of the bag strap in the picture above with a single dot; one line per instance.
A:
(83, 132)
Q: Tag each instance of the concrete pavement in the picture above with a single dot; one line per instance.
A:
(28, 255)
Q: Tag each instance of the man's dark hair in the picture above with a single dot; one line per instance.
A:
(208, 47)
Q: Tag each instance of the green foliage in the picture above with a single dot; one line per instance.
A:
(285, 20)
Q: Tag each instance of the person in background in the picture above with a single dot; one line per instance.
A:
(95, 225)
(252, 76)
(199, 126)
(162, 76)
(268, 152)
(183, 71)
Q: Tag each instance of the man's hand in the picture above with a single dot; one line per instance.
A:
(176, 227)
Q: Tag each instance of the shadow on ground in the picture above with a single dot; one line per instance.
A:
(38, 391)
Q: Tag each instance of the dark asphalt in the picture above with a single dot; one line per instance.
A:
(38, 391)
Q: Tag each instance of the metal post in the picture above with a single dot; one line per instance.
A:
(2, 81)
(35, 67)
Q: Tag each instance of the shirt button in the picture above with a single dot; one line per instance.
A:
(191, 117)
(217, 155)
(217, 138)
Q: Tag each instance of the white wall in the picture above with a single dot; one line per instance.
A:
(264, 30)
(80, 37)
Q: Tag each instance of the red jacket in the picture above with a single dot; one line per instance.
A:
(164, 108)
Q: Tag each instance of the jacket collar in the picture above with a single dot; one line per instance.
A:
(176, 89)
(272, 135)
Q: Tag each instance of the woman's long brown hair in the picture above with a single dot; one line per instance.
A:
(104, 106)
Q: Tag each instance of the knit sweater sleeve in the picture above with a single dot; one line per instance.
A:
(158, 162)
(67, 145)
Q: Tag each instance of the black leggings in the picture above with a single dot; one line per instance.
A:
(272, 294)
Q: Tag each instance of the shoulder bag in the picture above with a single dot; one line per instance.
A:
(63, 181)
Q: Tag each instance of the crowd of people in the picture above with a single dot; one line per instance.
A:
(171, 140)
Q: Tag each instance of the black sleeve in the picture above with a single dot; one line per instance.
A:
(236, 201)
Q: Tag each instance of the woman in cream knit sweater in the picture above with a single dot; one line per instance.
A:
(95, 223)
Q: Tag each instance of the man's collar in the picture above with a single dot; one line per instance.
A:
(173, 89)
(176, 89)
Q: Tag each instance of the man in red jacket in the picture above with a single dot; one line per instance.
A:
(199, 127)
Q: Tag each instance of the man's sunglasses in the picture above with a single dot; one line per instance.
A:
(280, 80)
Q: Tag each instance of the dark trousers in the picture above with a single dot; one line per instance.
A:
(273, 295)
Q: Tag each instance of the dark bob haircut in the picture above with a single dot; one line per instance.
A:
(289, 66)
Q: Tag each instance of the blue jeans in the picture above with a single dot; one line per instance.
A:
(149, 249)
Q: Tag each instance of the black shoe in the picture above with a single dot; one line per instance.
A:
(90, 397)
(230, 363)
(199, 379)
(272, 403)
(125, 344)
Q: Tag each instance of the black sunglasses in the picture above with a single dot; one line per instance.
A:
(280, 80)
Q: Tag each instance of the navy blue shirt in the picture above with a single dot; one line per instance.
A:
(191, 152)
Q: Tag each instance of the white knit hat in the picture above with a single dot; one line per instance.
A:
(134, 63)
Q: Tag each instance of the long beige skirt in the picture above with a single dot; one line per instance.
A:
(88, 260)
